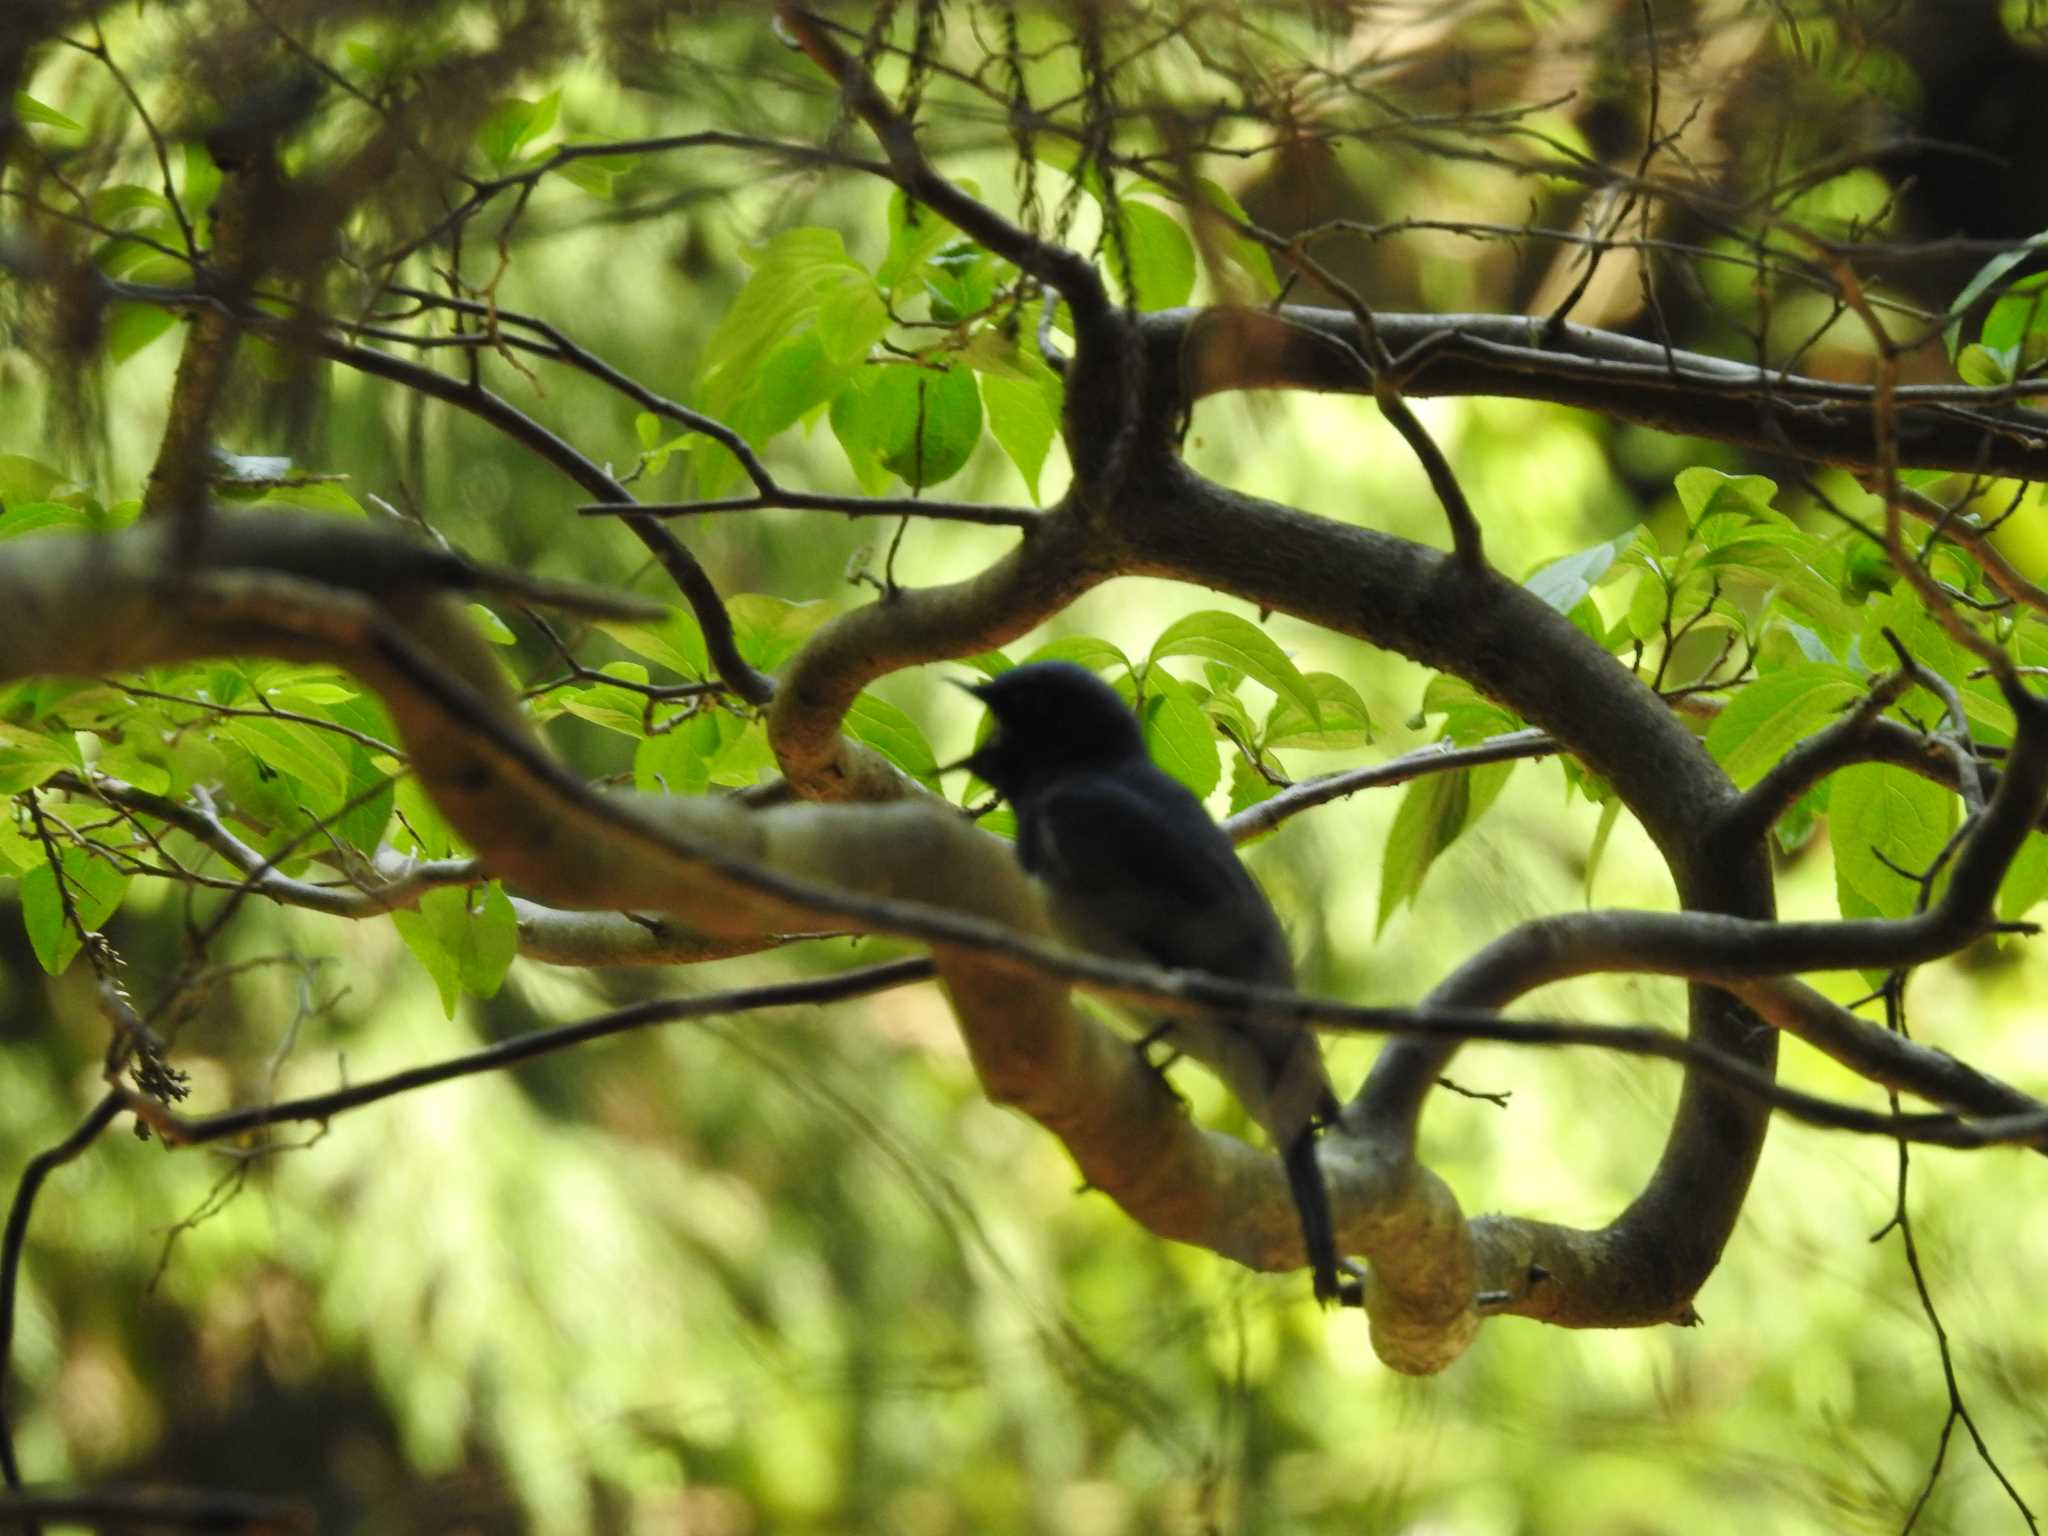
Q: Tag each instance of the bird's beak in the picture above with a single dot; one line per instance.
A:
(969, 761)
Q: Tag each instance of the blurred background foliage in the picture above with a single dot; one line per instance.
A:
(790, 1272)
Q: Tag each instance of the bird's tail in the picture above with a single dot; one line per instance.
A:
(1312, 1203)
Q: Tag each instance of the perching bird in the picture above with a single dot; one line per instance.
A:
(1136, 869)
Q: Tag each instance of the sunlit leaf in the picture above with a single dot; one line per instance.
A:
(1882, 820)
(1239, 643)
(895, 735)
(1177, 733)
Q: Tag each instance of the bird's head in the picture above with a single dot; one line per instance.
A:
(1051, 717)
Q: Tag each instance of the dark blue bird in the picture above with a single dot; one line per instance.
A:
(1135, 869)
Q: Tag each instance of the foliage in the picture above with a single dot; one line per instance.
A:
(795, 1272)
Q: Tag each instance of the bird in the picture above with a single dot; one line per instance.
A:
(1134, 868)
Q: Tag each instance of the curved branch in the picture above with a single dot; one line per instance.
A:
(1954, 427)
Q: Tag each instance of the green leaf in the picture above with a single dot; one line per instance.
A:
(1162, 257)
(1434, 812)
(1024, 399)
(1239, 248)
(920, 424)
(202, 180)
(1771, 715)
(29, 110)
(895, 735)
(1177, 733)
(95, 887)
(131, 327)
(769, 630)
(495, 629)
(466, 937)
(856, 318)
(24, 479)
(1985, 368)
(676, 642)
(299, 751)
(1024, 419)
(28, 757)
(2026, 880)
(1248, 786)
(1877, 812)
(1345, 722)
(595, 174)
(1239, 643)
(1563, 582)
(915, 234)
(1708, 493)
(678, 761)
(513, 123)
(362, 825)
(1088, 651)
(1987, 276)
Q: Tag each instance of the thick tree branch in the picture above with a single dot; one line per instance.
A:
(1954, 427)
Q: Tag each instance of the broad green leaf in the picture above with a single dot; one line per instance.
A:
(95, 887)
(466, 937)
(131, 327)
(616, 709)
(769, 630)
(1162, 257)
(597, 174)
(2018, 323)
(856, 318)
(895, 735)
(1707, 492)
(298, 751)
(112, 204)
(915, 235)
(1177, 733)
(1434, 812)
(765, 366)
(678, 761)
(1877, 812)
(512, 124)
(1563, 582)
(418, 827)
(1024, 419)
(1768, 717)
(1239, 643)
(23, 479)
(1987, 367)
(1344, 721)
(1987, 277)
(202, 180)
(28, 757)
(371, 788)
(960, 282)
(744, 757)
(676, 642)
(44, 517)
(920, 424)
(1083, 651)
(1248, 786)
(2026, 880)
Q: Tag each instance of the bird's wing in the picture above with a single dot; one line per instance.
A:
(1136, 865)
